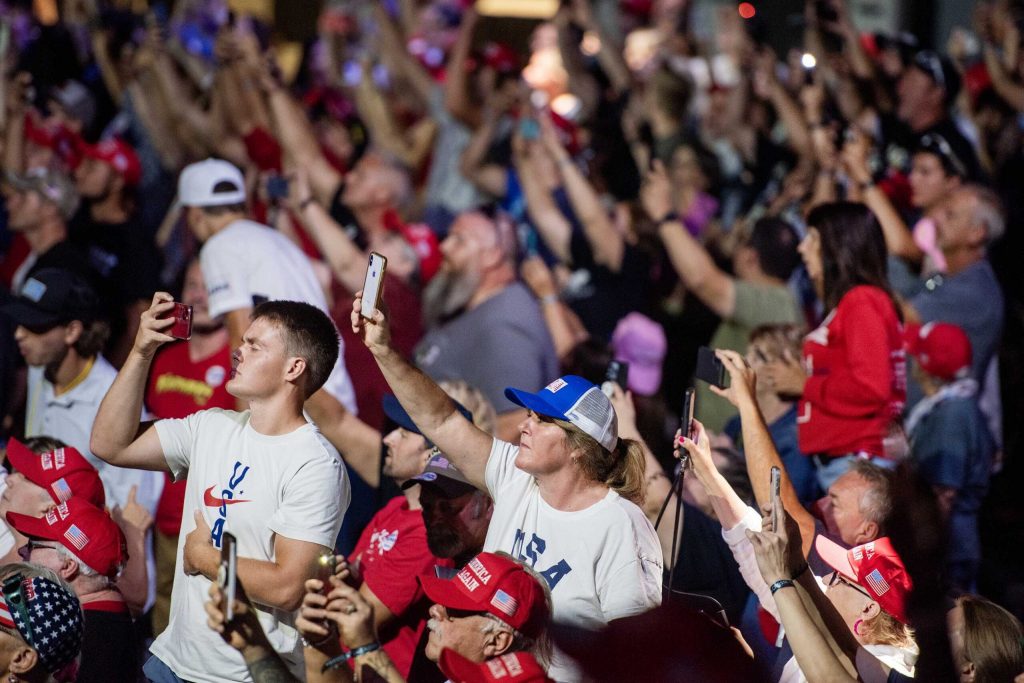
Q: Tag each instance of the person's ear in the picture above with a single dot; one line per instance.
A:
(23, 660)
(870, 611)
(498, 644)
(868, 532)
(294, 367)
(69, 569)
(968, 672)
(73, 332)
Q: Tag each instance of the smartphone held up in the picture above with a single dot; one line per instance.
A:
(373, 284)
(182, 315)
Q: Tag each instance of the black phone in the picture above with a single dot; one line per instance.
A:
(710, 369)
(686, 417)
(617, 372)
(228, 574)
(277, 187)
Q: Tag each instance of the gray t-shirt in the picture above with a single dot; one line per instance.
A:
(971, 299)
(502, 342)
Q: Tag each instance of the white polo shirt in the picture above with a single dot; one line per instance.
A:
(69, 416)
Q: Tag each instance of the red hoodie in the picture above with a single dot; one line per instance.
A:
(856, 383)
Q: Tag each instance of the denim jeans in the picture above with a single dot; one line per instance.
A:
(158, 672)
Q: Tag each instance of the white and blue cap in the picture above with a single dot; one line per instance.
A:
(578, 402)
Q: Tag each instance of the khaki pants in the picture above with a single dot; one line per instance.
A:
(165, 550)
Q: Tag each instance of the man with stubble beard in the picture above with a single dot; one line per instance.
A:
(400, 542)
(484, 326)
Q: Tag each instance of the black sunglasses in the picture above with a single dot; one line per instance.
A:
(937, 145)
(839, 578)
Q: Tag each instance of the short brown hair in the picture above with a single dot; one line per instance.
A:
(992, 640)
(308, 333)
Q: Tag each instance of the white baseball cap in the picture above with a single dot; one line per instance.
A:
(197, 182)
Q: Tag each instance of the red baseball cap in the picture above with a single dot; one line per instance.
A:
(88, 533)
(423, 241)
(63, 472)
(874, 566)
(497, 585)
(120, 155)
(943, 350)
(515, 667)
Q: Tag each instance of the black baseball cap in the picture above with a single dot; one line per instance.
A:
(50, 297)
(394, 410)
(941, 71)
(444, 476)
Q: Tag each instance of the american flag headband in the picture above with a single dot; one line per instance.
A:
(15, 603)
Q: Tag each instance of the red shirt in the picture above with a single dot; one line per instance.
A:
(391, 553)
(857, 376)
(403, 304)
(177, 388)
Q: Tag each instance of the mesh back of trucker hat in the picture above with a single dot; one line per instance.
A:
(593, 413)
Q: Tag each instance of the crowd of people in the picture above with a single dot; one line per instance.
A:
(222, 464)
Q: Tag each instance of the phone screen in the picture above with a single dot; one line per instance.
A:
(373, 285)
(228, 573)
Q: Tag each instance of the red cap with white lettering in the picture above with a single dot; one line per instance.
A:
(514, 667)
(496, 585)
(63, 472)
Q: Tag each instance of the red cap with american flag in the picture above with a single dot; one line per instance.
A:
(514, 667)
(87, 532)
(874, 566)
(63, 472)
(496, 585)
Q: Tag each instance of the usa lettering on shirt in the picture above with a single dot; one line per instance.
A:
(227, 497)
(531, 552)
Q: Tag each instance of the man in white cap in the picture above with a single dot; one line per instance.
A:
(246, 263)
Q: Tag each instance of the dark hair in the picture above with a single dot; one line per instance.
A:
(853, 250)
(224, 186)
(775, 240)
(308, 333)
(992, 640)
(93, 338)
(43, 444)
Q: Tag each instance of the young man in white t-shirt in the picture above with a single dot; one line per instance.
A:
(265, 475)
(245, 263)
(565, 500)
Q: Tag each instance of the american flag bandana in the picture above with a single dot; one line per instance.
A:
(55, 620)
(505, 603)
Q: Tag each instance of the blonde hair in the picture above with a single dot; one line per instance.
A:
(621, 469)
(484, 415)
(885, 629)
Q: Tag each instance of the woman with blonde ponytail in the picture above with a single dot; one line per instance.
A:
(566, 498)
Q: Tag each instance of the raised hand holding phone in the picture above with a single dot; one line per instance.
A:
(373, 284)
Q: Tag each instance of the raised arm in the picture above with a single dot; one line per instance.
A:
(456, 87)
(606, 243)
(690, 259)
(552, 225)
(118, 437)
(429, 407)
(758, 446)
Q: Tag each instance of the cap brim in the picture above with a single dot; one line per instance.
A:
(27, 315)
(444, 593)
(835, 556)
(533, 402)
(397, 414)
(450, 488)
(36, 527)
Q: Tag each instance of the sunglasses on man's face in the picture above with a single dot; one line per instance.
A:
(838, 578)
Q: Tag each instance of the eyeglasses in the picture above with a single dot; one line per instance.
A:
(839, 578)
(25, 551)
(937, 145)
(14, 596)
(930, 62)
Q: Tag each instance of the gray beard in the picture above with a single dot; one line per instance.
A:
(447, 294)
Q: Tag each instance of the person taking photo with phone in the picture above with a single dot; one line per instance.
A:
(266, 475)
(566, 499)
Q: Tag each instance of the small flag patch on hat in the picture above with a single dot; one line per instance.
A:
(505, 603)
(62, 489)
(878, 584)
(76, 536)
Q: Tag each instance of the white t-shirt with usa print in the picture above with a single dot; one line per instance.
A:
(256, 487)
(601, 563)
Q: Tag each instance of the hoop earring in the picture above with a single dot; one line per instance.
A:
(856, 626)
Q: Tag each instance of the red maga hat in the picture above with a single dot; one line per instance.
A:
(119, 155)
(515, 667)
(63, 472)
(87, 532)
(874, 566)
(941, 349)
